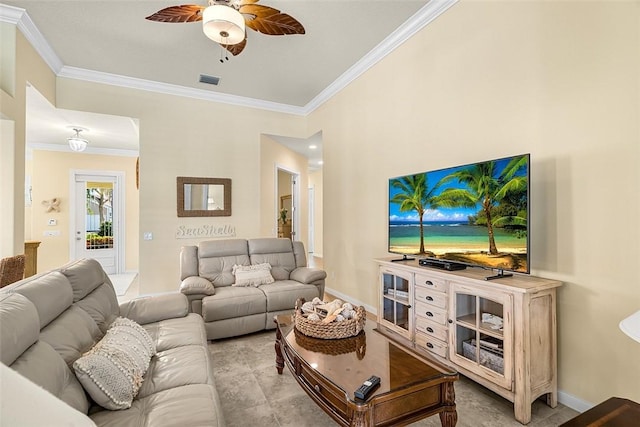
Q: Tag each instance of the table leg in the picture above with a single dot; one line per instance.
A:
(449, 417)
(278, 346)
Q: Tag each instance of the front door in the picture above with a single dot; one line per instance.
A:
(96, 220)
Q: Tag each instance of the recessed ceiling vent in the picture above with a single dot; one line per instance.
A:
(211, 80)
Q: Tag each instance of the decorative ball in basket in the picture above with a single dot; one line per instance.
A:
(332, 320)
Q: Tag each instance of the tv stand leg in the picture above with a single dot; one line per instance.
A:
(404, 258)
(501, 274)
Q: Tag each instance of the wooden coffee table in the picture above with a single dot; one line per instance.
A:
(411, 388)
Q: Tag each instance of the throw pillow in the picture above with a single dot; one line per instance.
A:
(113, 370)
(253, 275)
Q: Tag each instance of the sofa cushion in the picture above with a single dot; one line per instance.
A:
(232, 301)
(51, 294)
(252, 275)
(177, 367)
(71, 334)
(283, 294)
(85, 275)
(172, 333)
(191, 405)
(19, 326)
(277, 252)
(216, 259)
(112, 371)
(34, 359)
(101, 305)
(41, 364)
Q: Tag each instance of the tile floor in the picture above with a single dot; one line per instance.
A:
(252, 393)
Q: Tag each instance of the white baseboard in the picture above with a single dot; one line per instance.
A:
(573, 402)
(353, 301)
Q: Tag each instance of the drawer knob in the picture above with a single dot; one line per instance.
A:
(428, 283)
(429, 329)
(430, 314)
(429, 345)
(317, 387)
(450, 321)
(428, 298)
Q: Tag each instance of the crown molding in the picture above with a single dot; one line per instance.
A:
(89, 150)
(170, 89)
(19, 17)
(419, 20)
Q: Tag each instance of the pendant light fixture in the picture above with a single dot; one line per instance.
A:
(223, 24)
(77, 143)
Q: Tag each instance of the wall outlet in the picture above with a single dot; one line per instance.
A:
(148, 235)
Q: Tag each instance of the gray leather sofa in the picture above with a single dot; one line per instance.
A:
(50, 320)
(206, 271)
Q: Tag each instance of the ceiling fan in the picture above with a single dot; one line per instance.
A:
(224, 21)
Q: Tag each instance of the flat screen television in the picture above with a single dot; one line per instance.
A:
(472, 215)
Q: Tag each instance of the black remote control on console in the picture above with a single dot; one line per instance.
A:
(367, 387)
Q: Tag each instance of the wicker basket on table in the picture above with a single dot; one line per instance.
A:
(357, 344)
(332, 330)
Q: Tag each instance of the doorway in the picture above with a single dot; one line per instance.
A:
(287, 203)
(97, 228)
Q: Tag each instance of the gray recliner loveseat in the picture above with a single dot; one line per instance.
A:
(49, 321)
(209, 282)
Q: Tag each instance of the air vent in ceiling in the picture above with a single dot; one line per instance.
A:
(209, 79)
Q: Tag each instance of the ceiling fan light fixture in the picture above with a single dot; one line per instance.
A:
(76, 143)
(223, 24)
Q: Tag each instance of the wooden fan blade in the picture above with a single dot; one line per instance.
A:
(184, 13)
(243, 2)
(235, 49)
(268, 20)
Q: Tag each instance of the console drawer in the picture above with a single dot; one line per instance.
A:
(430, 282)
(432, 329)
(326, 394)
(432, 345)
(430, 296)
(431, 312)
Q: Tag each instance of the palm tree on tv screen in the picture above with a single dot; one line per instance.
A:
(416, 196)
(486, 186)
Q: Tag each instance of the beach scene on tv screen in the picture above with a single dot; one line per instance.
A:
(474, 214)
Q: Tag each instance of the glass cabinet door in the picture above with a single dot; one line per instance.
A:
(395, 300)
(481, 336)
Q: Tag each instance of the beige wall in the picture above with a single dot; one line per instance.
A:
(51, 174)
(486, 79)
(490, 79)
(186, 137)
(273, 156)
(315, 182)
(27, 67)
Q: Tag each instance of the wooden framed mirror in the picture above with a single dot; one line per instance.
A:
(204, 196)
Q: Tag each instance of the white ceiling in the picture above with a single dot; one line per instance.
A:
(109, 39)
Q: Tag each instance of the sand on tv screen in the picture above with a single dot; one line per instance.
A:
(475, 214)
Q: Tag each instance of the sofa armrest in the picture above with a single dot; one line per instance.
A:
(196, 285)
(155, 308)
(308, 275)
